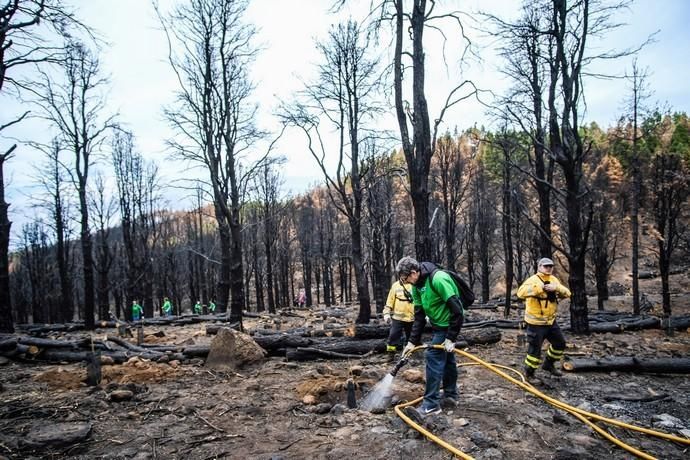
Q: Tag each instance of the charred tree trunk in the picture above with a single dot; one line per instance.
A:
(6, 321)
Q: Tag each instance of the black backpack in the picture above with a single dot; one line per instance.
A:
(466, 296)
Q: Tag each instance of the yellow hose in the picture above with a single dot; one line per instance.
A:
(582, 415)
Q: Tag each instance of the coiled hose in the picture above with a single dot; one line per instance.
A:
(580, 414)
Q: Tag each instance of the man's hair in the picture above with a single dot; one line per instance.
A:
(405, 266)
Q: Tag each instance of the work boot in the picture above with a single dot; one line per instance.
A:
(529, 373)
(549, 367)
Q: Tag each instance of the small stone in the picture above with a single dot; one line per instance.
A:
(338, 409)
(121, 395)
(107, 360)
(490, 393)
(413, 376)
(685, 432)
(460, 422)
(380, 430)
(309, 400)
(322, 408)
(481, 440)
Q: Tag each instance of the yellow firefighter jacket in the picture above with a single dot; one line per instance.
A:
(539, 310)
(397, 304)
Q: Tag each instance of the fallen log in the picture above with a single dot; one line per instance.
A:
(332, 348)
(350, 347)
(212, 329)
(52, 343)
(626, 324)
(478, 337)
(125, 344)
(496, 323)
(8, 344)
(629, 364)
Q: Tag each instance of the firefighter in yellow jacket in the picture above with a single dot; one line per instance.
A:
(542, 292)
(399, 313)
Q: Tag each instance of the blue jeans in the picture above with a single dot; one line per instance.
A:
(441, 370)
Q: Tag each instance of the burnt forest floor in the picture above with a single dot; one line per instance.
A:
(261, 411)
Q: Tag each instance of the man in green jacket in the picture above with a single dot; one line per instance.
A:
(198, 309)
(437, 298)
(211, 307)
(137, 311)
(167, 307)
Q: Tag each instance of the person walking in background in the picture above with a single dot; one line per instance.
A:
(211, 307)
(198, 308)
(399, 313)
(167, 307)
(541, 292)
(301, 298)
(437, 298)
(137, 311)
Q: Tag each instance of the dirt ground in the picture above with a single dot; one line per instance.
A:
(297, 410)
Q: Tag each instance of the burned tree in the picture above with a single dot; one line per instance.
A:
(57, 202)
(103, 208)
(452, 183)
(344, 95)
(411, 20)
(75, 106)
(137, 185)
(24, 26)
(215, 119)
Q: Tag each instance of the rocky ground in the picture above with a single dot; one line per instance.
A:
(297, 410)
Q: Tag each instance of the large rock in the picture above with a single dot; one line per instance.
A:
(231, 349)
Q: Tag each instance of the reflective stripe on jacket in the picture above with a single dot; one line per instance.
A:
(538, 309)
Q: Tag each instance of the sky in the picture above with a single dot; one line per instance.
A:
(142, 83)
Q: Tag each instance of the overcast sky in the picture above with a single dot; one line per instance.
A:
(142, 81)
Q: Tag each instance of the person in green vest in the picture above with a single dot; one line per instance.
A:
(167, 307)
(137, 311)
(211, 307)
(198, 309)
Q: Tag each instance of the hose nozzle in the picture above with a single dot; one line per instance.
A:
(398, 366)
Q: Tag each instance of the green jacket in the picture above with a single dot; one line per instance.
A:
(211, 307)
(167, 306)
(137, 311)
(198, 308)
(444, 315)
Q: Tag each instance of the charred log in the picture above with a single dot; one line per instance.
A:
(630, 364)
